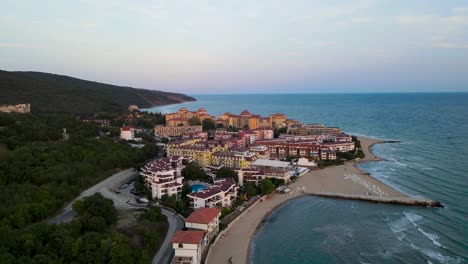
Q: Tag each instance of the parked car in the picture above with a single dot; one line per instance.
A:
(141, 200)
(123, 186)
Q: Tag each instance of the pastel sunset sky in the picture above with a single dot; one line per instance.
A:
(270, 46)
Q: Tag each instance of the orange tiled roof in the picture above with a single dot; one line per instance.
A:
(203, 215)
(188, 237)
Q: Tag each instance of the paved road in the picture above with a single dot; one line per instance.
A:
(104, 188)
(164, 254)
(107, 188)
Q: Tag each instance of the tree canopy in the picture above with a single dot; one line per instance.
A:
(194, 121)
(194, 172)
(41, 172)
(226, 172)
(266, 187)
(251, 189)
(89, 238)
(53, 93)
(208, 124)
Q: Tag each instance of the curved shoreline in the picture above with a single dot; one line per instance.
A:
(343, 182)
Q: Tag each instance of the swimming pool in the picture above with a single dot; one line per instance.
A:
(197, 187)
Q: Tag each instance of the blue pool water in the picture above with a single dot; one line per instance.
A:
(430, 162)
(197, 187)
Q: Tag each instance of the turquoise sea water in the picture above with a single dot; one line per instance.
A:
(432, 161)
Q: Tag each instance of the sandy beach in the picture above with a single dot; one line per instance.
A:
(343, 179)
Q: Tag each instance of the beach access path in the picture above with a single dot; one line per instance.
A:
(342, 179)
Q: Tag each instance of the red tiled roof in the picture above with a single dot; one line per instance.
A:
(203, 215)
(126, 128)
(188, 237)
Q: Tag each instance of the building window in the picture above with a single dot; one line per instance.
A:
(181, 245)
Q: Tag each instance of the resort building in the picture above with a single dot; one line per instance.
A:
(19, 108)
(305, 162)
(277, 120)
(252, 121)
(206, 219)
(340, 147)
(225, 135)
(132, 108)
(127, 133)
(233, 159)
(200, 135)
(182, 117)
(198, 150)
(263, 133)
(176, 131)
(221, 194)
(312, 129)
(261, 151)
(311, 138)
(201, 153)
(164, 176)
(256, 175)
(188, 246)
(286, 148)
(327, 154)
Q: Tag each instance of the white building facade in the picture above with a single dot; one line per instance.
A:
(164, 176)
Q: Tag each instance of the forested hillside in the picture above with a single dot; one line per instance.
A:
(63, 94)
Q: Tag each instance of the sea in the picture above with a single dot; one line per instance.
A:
(431, 161)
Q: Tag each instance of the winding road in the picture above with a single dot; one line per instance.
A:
(176, 222)
(121, 202)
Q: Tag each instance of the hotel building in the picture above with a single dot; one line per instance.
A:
(261, 151)
(201, 153)
(175, 131)
(312, 129)
(181, 117)
(221, 194)
(246, 119)
(164, 176)
(233, 159)
(20, 108)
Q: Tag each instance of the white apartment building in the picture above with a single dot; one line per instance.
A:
(261, 151)
(164, 176)
(222, 193)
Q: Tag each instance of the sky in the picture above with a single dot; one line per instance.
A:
(221, 46)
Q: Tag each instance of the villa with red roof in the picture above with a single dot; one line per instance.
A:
(127, 133)
(188, 247)
(205, 219)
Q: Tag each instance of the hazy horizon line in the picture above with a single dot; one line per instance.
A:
(325, 93)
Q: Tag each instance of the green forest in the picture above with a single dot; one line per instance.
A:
(92, 237)
(54, 93)
(40, 173)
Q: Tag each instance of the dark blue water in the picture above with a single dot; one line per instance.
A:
(431, 162)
